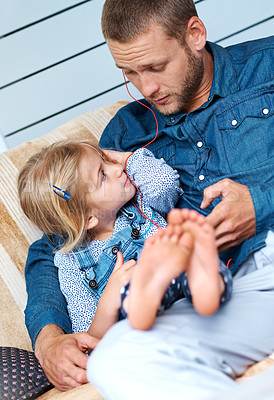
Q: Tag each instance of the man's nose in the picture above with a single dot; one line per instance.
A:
(148, 85)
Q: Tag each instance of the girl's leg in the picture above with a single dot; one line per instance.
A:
(205, 283)
(186, 355)
(188, 244)
(164, 257)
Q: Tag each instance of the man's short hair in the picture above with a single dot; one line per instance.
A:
(124, 20)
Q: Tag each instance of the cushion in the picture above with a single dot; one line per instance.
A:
(21, 375)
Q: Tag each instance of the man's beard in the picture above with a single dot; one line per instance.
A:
(189, 86)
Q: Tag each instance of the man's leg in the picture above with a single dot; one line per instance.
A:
(186, 355)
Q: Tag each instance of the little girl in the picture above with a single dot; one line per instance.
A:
(73, 189)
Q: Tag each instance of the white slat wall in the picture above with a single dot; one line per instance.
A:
(55, 64)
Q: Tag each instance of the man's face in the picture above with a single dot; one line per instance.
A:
(167, 74)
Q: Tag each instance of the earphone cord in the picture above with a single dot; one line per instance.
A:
(141, 211)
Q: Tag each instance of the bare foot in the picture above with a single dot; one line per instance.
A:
(205, 283)
(164, 257)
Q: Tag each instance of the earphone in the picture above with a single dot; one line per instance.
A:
(157, 128)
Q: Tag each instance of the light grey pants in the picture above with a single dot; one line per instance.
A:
(185, 355)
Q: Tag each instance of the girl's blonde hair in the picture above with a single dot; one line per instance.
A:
(57, 165)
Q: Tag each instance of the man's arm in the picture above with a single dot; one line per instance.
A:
(61, 355)
(46, 303)
(242, 212)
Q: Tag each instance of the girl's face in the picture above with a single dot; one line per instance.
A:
(106, 186)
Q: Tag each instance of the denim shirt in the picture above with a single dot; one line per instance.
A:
(230, 136)
(204, 143)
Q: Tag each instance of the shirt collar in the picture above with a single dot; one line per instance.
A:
(224, 80)
(224, 77)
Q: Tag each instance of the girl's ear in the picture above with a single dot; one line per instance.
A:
(92, 222)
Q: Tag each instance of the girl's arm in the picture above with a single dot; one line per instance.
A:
(110, 302)
(158, 183)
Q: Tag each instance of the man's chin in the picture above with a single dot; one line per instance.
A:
(166, 109)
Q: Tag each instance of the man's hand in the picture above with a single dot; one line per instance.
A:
(63, 357)
(234, 217)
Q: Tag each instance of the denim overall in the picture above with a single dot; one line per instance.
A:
(129, 241)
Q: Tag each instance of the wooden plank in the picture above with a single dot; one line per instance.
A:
(17, 13)
(257, 32)
(33, 98)
(50, 42)
(46, 126)
(222, 18)
(35, 50)
(56, 89)
(3, 144)
(85, 76)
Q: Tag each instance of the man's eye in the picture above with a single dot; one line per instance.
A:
(128, 73)
(157, 69)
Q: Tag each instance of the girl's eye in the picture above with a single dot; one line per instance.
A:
(103, 176)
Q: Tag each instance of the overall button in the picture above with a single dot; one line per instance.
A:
(93, 284)
(172, 119)
(115, 250)
(201, 177)
(234, 122)
(200, 144)
(265, 111)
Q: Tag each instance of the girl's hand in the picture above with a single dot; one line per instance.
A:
(110, 301)
(117, 156)
(120, 276)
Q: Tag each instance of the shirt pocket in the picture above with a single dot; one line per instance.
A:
(246, 131)
(164, 148)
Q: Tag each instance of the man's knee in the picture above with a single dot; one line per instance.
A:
(110, 355)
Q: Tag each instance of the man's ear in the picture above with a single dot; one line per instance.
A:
(92, 222)
(196, 34)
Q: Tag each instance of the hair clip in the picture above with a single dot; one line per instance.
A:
(63, 194)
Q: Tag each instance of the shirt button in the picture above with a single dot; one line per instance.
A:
(265, 111)
(172, 119)
(234, 122)
(115, 250)
(201, 177)
(200, 144)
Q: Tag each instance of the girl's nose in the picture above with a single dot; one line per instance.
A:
(117, 170)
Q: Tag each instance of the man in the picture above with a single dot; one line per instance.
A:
(214, 112)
